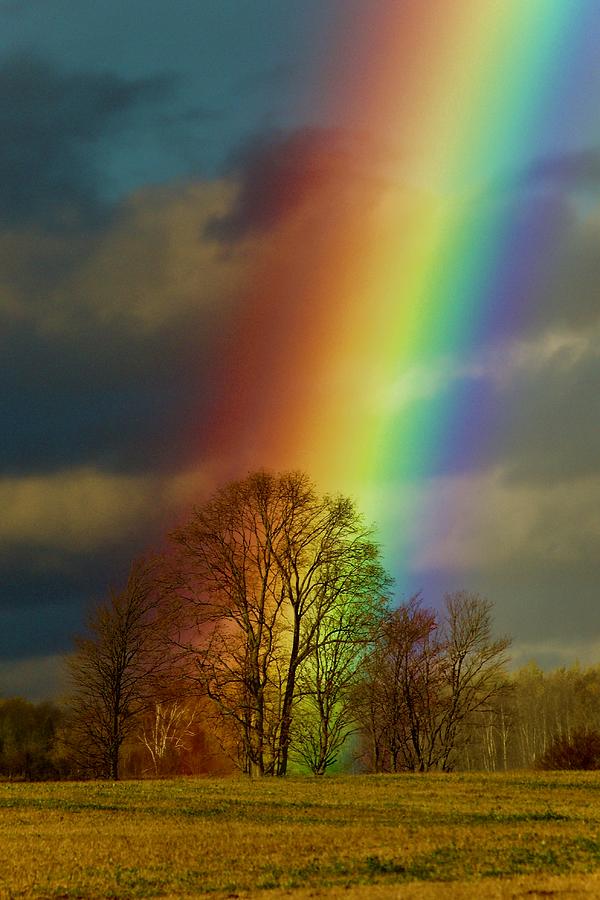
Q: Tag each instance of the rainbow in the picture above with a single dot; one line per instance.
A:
(406, 251)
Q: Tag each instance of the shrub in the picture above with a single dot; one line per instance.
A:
(579, 751)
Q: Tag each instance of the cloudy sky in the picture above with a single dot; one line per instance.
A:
(166, 166)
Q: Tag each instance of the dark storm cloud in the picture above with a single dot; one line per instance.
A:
(193, 115)
(43, 606)
(571, 298)
(275, 174)
(51, 122)
(529, 594)
(547, 423)
(109, 400)
(19, 6)
(552, 573)
(564, 598)
(271, 79)
(108, 341)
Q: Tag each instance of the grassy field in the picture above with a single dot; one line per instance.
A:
(354, 837)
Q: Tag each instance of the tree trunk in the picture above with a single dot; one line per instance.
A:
(285, 733)
(114, 762)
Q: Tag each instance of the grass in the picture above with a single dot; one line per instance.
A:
(356, 836)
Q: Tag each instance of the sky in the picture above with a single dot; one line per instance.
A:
(361, 239)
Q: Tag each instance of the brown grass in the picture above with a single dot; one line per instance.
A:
(359, 837)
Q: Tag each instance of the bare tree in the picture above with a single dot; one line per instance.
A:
(476, 666)
(117, 671)
(227, 581)
(165, 731)
(402, 691)
(326, 712)
(261, 566)
(427, 686)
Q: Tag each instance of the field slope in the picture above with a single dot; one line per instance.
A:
(358, 836)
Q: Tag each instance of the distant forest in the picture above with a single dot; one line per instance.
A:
(267, 642)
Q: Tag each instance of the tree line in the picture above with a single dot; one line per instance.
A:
(542, 719)
(267, 637)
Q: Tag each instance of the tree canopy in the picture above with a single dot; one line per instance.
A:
(276, 580)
